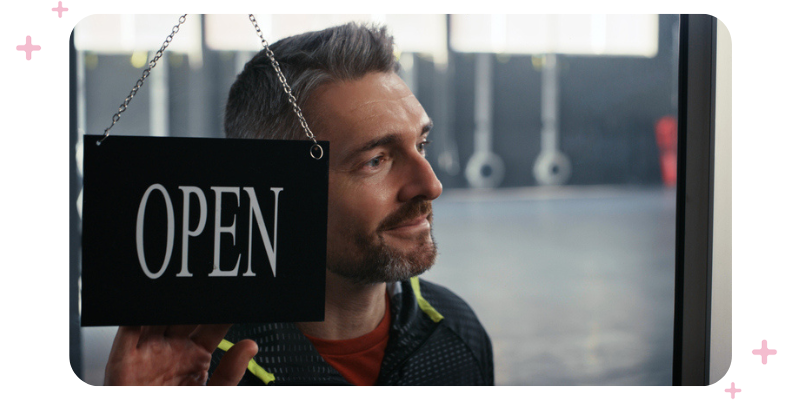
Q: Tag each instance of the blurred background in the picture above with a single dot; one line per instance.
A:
(554, 138)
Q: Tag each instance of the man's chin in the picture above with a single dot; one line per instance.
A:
(384, 257)
(408, 245)
(388, 275)
(389, 265)
(410, 264)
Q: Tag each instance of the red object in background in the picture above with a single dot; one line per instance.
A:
(667, 140)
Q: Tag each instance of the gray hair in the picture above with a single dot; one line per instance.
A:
(257, 105)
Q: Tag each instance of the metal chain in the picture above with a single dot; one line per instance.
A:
(287, 90)
(145, 74)
(292, 100)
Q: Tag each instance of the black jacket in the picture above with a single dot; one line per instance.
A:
(423, 348)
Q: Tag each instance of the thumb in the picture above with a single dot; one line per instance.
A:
(233, 364)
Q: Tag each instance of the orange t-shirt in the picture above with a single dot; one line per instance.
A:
(359, 359)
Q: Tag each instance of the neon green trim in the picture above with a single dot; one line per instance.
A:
(252, 366)
(426, 307)
(225, 345)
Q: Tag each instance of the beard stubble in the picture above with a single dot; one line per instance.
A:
(375, 261)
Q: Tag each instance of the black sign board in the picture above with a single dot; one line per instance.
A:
(188, 231)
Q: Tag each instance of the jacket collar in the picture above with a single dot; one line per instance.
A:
(411, 326)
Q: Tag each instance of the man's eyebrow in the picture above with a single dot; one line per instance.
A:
(427, 128)
(386, 140)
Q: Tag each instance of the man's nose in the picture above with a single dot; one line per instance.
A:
(419, 180)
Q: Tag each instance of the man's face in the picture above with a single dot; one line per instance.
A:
(381, 185)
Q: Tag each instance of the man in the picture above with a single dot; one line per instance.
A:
(382, 324)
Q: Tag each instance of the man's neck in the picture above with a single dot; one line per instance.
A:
(351, 310)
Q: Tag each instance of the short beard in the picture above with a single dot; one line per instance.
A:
(377, 262)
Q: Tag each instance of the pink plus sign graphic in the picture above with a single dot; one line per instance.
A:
(733, 390)
(764, 352)
(28, 48)
(60, 9)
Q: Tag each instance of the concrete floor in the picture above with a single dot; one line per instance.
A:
(574, 285)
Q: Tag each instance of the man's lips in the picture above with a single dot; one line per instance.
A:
(414, 223)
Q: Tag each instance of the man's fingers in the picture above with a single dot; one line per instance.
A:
(209, 336)
(177, 331)
(234, 363)
(126, 339)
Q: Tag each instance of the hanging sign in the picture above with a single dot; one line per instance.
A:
(190, 231)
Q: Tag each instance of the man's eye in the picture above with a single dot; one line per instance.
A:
(421, 147)
(374, 163)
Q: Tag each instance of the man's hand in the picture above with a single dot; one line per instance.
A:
(175, 355)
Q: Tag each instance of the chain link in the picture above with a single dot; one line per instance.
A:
(140, 81)
(288, 90)
(316, 149)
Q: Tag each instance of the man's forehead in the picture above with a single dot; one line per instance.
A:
(378, 101)
(365, 93)
(369, 104)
